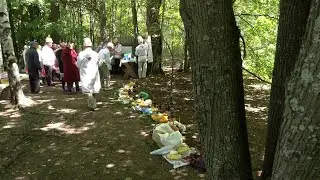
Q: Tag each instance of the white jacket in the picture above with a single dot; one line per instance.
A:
(104, 57)
(88, 64)
(48, 56)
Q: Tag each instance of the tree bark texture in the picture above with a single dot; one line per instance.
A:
(154, 30)
(186, 63)
(298, 150)
(103, 21)
(13, 33)
(134, 18)
(292, 25)
(8, 54)
(54, 18)
(218, 86)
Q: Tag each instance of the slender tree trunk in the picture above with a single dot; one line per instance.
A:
(103, 21)
(54, 18)
(134, 18)
(13, 32)
(292, 25)
(17, 95)
(218, 86)
(154, 30)
(186, 64)
(297, 154)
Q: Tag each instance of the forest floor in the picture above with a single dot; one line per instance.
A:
(59, 138)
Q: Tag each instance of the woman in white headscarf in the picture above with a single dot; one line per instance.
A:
(142, 53)
(88, 64)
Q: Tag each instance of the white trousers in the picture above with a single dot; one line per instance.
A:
(142, 66)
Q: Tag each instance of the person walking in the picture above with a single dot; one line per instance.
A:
(117, 55)
(88, 64)
(33, 65)
(70, 69)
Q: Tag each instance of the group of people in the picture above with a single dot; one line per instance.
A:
(91, 68)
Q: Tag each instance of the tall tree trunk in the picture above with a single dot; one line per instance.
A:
(218, 86)
(13, 32)
(134, 18)
(292, 25)
(17, 95)
(186, 63)
(92, 27)
(54, 18)
(103, 21)
(135, 23)
(154, 30)
(297, 154)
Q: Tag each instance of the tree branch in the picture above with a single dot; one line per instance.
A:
(258, 15)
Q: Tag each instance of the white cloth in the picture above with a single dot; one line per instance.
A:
(142, 50)
(24, 54)
(40, 56)
(142, 66)
(88, 64)
(118, 51)
(48, 56)
(150, 53)
(104, 57)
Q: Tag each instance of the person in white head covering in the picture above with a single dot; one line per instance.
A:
(150, 54)
(142, 53)
(49, 59)
(117, 55)
(105, 64)
(88, 64)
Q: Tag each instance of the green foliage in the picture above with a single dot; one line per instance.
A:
(257, 21)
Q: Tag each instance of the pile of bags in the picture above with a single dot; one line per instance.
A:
(167, 132)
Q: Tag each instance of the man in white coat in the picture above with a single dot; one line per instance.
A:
(49, 59)
(105, 65)
(88, 64)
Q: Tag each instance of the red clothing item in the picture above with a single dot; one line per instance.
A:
(70, 69)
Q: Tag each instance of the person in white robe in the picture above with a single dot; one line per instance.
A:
(88, 64)
(105, 65)
(150, 54)
(142, 53)
(49, 59)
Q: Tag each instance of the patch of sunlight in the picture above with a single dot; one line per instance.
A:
(9, 125)
(187, 99)
(67, 129)
(37, 102)
(255, 109)
(12, 113)
(157, 84)
(260, 86)
(68, 111)
(118, 113)
(51, 107)
(110, 165)
(72, 99)
(143, 133)
(121, 151)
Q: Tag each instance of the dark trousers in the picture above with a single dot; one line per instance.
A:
(34, 80)
(149, 68)
(70, 86)
(116, 68)
(63, 83)
(48, 70)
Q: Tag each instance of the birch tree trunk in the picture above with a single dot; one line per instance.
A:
(292, 26)
(17, 95)
(218, 86)
(298, 149)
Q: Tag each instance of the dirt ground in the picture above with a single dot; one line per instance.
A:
(60, 138)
